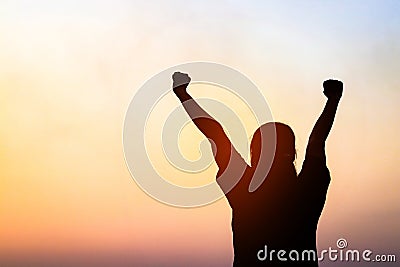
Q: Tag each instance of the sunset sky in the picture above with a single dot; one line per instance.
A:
(69, 69)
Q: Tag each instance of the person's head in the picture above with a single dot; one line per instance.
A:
(266, 137)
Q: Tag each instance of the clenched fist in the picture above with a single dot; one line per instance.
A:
(333, 89)
(180, 82)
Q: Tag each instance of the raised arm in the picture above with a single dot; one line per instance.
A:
(204, 122)
(316, 144)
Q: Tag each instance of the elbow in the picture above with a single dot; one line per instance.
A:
(208, 126)
(316, 140)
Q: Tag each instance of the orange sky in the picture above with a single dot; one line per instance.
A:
(68, 73)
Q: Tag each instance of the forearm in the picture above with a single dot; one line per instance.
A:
(324, 123)
(204, 121)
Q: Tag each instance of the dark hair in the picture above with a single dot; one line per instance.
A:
(276, 138)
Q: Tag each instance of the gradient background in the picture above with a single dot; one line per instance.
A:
(69, 69)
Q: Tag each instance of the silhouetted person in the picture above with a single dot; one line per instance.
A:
(283, 212)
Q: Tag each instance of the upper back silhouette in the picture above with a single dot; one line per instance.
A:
(281, 213)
